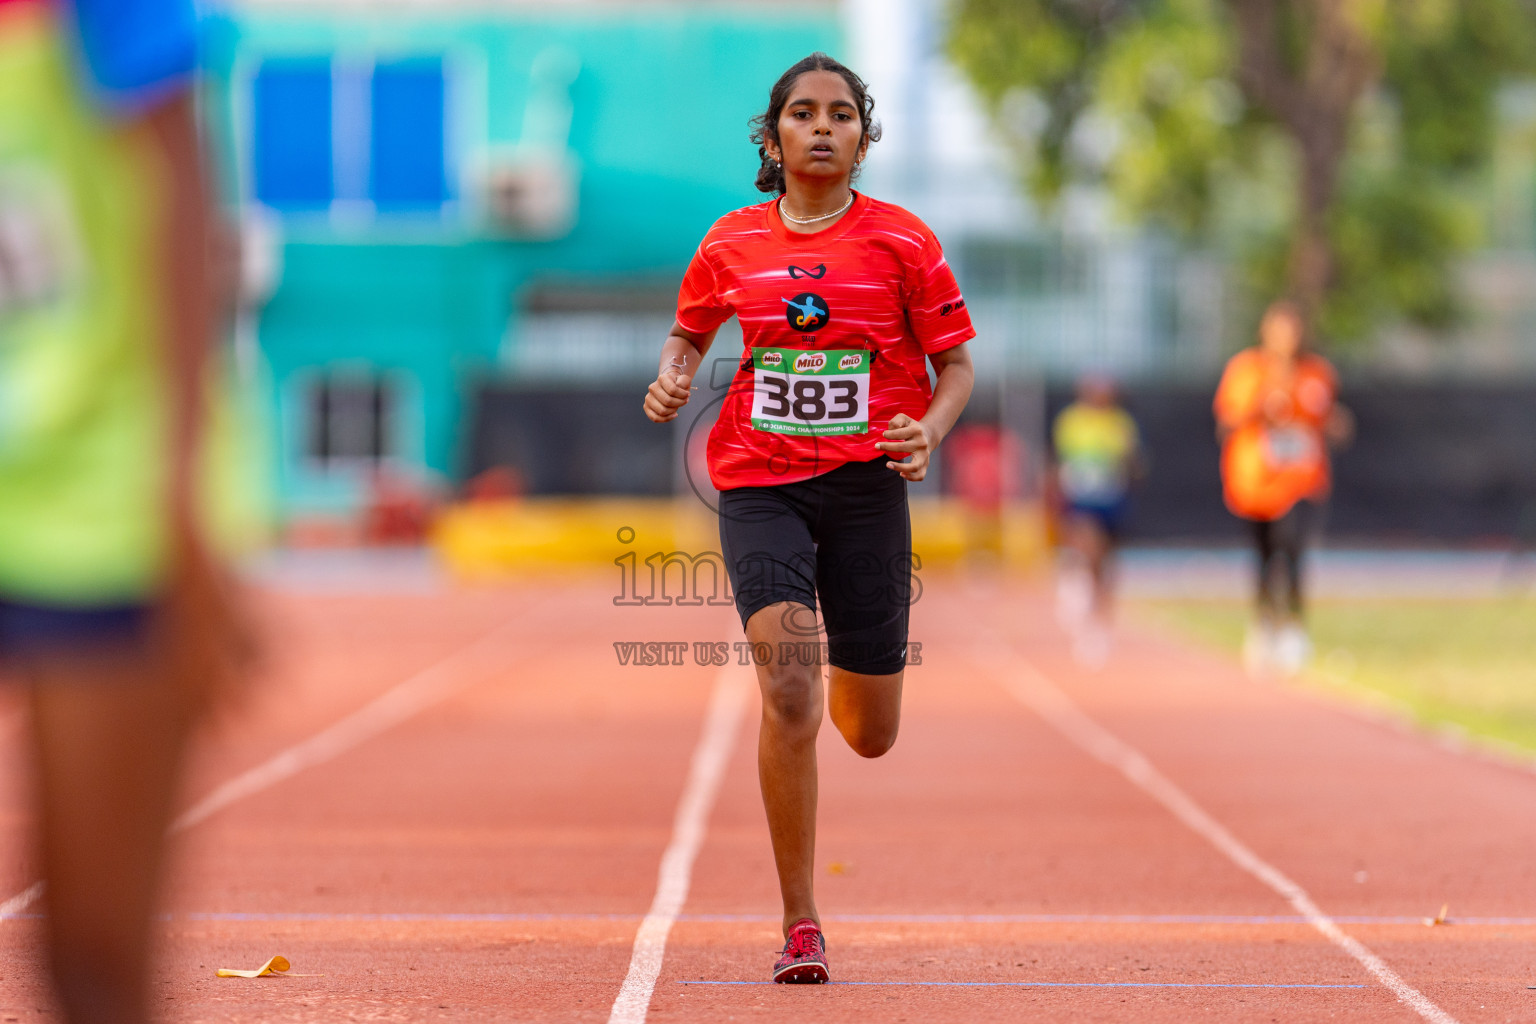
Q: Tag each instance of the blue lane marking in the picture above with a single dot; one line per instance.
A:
(473, 918)
(1045, 984)
(1239, 919)
(492, 918)
(1091, 919)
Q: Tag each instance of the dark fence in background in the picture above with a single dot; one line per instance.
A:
(568, 441)
(1431, 462)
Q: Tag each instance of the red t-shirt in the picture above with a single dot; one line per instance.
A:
(837, 325)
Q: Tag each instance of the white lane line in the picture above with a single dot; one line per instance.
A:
(1035, 691)
(21, 901)
(392, 707)
(429, 687)
(17, 904)
(710, 757)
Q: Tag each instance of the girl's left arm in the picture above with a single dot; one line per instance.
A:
(919, 438)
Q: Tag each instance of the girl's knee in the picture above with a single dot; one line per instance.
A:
(871, 742)
(792, 698)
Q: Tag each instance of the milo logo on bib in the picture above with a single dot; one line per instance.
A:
(815, 392)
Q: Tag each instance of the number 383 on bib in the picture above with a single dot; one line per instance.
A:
(821, 391)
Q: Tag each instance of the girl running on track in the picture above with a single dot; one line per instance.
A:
(1276, 414)
(843, 301)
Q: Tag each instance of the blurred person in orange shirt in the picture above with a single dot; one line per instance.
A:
(1276, 414)
(115, 614)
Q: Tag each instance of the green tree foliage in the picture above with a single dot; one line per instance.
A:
(1335, 147)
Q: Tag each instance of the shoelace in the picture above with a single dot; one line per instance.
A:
(804, 942)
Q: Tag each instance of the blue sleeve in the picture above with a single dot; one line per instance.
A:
(136, 51)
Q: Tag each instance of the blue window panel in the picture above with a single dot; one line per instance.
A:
(292, 134)
(406, 151)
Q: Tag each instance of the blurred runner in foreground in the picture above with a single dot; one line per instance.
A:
(1097, 448)
(1276, 414)
(112, 612)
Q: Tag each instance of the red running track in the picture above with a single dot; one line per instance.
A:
(485, 843)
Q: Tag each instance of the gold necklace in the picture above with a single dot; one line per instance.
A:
(812, 220)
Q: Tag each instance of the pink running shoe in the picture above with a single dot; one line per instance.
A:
(804, 960)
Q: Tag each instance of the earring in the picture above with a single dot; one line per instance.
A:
(778, 165)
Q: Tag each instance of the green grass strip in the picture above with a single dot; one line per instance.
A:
(1469, 664)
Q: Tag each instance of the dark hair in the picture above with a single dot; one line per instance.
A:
(765, 126)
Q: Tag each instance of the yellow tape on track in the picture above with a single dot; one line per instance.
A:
(274, 966)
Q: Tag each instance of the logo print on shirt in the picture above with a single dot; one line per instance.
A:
(817, 272)
(807, 312)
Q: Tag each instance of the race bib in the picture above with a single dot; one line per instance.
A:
(39, 247)
(810, 392)
(1285, 447)
(41, 274)
(1092, 480)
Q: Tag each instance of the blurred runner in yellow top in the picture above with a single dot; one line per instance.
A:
(112, 611)
(1096, 445)
(83, 399)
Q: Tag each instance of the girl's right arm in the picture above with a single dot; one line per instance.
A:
(681, 355)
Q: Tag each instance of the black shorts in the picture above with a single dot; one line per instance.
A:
(844, 535)
(36, 630)
(1109, 516)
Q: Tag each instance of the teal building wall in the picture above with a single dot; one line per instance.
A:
(659, 100)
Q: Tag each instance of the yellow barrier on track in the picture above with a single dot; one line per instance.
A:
(493, 539)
